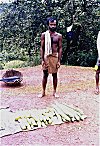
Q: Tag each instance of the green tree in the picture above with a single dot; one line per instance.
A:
(22, 22)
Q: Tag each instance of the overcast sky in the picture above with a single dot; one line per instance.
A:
(6, 1)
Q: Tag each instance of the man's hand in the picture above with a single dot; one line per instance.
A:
(43, 63)
(58, 64)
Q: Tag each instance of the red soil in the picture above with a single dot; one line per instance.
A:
(76, 87)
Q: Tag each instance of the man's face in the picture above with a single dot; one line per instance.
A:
(52, 26)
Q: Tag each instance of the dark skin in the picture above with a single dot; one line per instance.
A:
(56, 44)
(98, 63)
(97, 80)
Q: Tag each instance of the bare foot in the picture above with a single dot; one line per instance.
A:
(97, 91)
(55, 95)
(41, 95)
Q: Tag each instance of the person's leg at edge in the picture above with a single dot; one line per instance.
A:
(97, 82)
(55, 80)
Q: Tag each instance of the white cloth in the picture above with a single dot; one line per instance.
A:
(69, 28)
(48, 49)
(98, 44)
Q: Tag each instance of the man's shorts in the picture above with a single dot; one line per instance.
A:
(51, 63)
(97, 66)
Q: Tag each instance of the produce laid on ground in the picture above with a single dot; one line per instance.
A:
(25, 120)
(57, 114)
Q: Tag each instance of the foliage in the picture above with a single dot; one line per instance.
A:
(14, 64)
(22, 22)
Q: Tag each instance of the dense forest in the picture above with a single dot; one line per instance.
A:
(23, 21)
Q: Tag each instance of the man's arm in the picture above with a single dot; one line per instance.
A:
(42, 49)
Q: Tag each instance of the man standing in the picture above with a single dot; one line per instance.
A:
(51, 51)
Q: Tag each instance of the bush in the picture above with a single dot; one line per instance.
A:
(14, 64)
(34, 60)
(1, 65)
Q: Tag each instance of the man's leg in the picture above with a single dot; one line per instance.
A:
(44, 81)
(55, 80)
(97, 81)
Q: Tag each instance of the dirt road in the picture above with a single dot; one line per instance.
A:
(76, 87)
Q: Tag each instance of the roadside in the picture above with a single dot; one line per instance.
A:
(76, 87)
